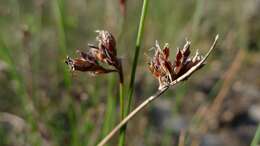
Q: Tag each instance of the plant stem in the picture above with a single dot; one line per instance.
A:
(132, 114)
(121, 92)
(256, 138)
(122, 104)
(136, 55)
(134, 66)
(122, 113)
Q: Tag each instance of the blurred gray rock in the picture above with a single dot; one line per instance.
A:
(254, 112)
(163, 117)
(212, 140)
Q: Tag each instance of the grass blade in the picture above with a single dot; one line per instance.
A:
(256, 139)
(134, 66)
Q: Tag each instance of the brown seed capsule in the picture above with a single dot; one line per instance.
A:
(104, 52)
(107, 40)
(86, 63)
(166, 71)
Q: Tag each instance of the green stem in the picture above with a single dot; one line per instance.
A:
(122, 104)
(137, 50)
(134, 66)
(122, 114)
(256, 138)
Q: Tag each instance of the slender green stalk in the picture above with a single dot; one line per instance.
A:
(134, 66)
(122, 114)
(122, 104)
(136, 55)
(256, 139)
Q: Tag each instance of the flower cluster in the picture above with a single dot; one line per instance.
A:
(165, 70)
(91, 61)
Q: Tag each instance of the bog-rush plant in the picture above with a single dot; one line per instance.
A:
(168, 74)
(101, 59)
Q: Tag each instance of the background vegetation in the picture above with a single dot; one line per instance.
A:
(42, 103)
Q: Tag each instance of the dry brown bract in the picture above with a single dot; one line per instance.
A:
(91, 60)
(165, 70)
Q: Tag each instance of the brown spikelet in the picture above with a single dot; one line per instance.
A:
(165, 70)
(105, 52)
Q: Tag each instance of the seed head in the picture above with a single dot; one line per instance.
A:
(165, 70)
(104, 52)
(86, 63)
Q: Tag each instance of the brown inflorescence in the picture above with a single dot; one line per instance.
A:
(165, 70)
(104, 52)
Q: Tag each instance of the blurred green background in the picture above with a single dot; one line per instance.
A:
(42, 103)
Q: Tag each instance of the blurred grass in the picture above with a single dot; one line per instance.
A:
(110, 107)
(59, 10)
(26, 102)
